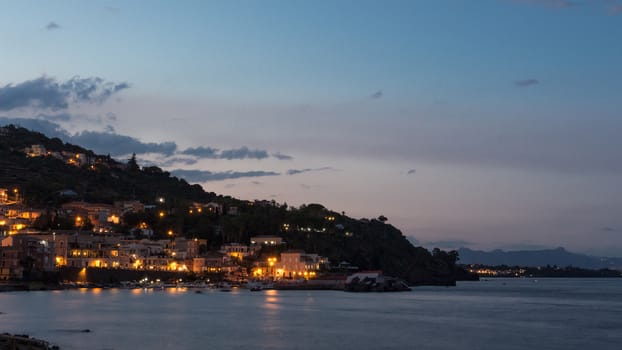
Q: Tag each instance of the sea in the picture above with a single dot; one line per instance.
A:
(489, 314)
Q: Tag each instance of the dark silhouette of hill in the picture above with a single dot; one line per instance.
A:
(367, 244)
(544, 257)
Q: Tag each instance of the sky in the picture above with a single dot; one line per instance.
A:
(487, 124)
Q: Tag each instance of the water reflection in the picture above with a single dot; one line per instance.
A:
(272, 300)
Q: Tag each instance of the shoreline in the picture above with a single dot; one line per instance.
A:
(24, 342)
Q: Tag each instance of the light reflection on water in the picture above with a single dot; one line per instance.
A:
(497, 314)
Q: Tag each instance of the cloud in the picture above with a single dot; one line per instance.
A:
(60, 117)
(615, 9)
(52, 26)
(206, 176)
(92, 89)
(176, 160)
(115, 144)
(242, 153)
(280, 156)
(112, 9)
(102, 142)
(300, 171)
(411, 171)
(257, 183)
(46, 127)
(549, 3)
(109, 142)
(47, 93)
(230, 154)
(526, 82)
(608, 229)
(201, 152)
(376, 95)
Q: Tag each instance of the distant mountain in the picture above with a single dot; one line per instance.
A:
(558, 256)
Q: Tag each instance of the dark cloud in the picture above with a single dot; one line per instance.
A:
(280, 156)
(176, 160)
(109, 142)
(47, 93)
(615, 9)
(526, 82)
(39, 93)
(115, 144)
(98, 141)
(411, 171)
(242, 153)
(43, 126)
(92, 89)
(300, 171)
(376, 95)
(201, 152)
(52, 26)
(230, 154)
(206, 176)
(608, 229)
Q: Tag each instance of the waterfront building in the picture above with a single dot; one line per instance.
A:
(21, 254)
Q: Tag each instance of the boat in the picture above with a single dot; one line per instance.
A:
(255, 288)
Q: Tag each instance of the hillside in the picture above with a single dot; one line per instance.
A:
(43, 177)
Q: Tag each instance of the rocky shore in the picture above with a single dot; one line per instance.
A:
(23, 342)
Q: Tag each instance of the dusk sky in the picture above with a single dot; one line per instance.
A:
(477, 123)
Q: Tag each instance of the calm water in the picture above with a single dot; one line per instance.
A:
(496, 314)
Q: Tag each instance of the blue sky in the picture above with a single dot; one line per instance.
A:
(488, 123)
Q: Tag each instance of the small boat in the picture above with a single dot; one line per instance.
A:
(255, 288)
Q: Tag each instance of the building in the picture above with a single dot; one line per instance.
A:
(292, 264)
(237, 250)
(21, 255)
(266, 240)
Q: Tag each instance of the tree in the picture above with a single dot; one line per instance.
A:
(132, 165)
